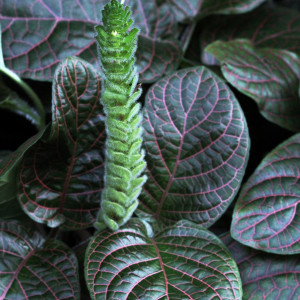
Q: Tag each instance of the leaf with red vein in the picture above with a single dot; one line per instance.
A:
(266, 27)
(187, 10)
(265, 275)
(185, 261)
(266, 215)
(61, 176)
(269, 76)
(197, 145)
(32, 268)
(9, 166)
(38, 34)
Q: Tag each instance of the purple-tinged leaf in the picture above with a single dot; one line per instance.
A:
(266, 215)
(184, 261)
(197, 144)
(265, 275)
(32, 267)
(271, 77)
(187, 10)
(266, 27)
(38, 35)
(61, 176)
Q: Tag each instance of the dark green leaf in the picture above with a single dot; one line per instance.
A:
(197, 145)
(181, 262)
(265, 275)
(37, 36)
(269, 76)
(32, 268)
(9, 166)
(266, 27)
(61, 177)
(266, 215)
(187, 10)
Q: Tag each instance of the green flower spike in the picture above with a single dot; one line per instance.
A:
(124, 156)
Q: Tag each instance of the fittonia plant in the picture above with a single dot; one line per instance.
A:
(76, 210)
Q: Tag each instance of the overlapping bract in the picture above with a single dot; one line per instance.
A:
(124, 157)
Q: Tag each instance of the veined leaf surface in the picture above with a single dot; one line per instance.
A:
(60, 179)
(38, 35)
(265, 275)
(269, 76)
(197, 145)
(32, 268)
(266, 215)
(266, 27)
(184, 261)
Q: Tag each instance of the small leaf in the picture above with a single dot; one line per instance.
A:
(266, 215)
(10, 100)
(266, 27)
(197, 146)
(37, 36)
(9, 166)
(187, 10)
(181, 262)
(269, 76)
(61, 177)
(34, 268)
(264, 275)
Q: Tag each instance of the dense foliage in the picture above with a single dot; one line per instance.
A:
(217, 216)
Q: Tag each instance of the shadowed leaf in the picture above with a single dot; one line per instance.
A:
(185, 261)
(271, 77)
(265, 27)
(197, 145)
(266, 215)
(34, 268)
(61, 176)
(186, 10)
(265, 275)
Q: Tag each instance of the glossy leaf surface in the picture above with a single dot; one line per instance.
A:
(265, 275)
(269, 76)
(266, 215)
(197, 144)
(32, 268)
(185, 261)
(266, 27)
(61, 176)
(189, 9)
(37, 35)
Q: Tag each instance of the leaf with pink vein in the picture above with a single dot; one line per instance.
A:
(61, 177)
(266, 215)
(182, 262)
(32, 267)
(197, 146)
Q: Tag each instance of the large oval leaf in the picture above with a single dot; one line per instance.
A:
(197, 145)
(266, 27)
(266, 215)
(37, 36)
(182, 262)
(269, 76)
(264, 275)
(33, 268)
(60, 179)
